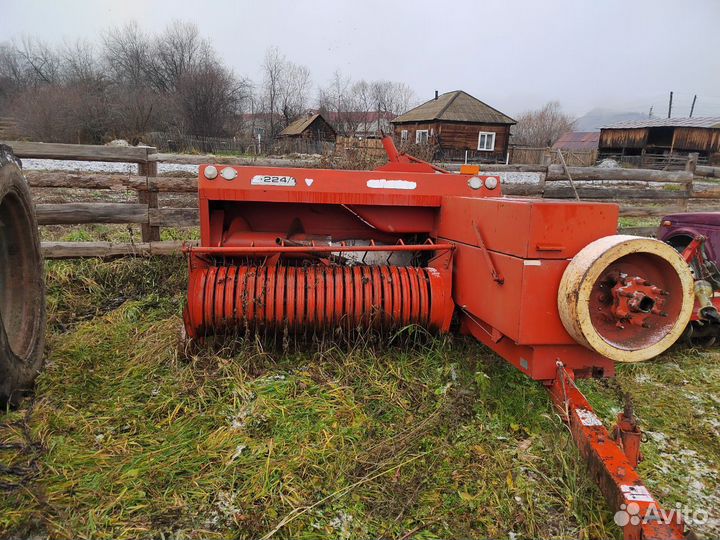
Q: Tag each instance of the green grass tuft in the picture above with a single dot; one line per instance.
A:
(130, 436)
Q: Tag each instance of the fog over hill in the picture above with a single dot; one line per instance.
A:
(596, 118)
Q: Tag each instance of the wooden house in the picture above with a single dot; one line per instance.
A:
(456, 123)
(312, 127)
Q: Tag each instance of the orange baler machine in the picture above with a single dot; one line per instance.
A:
(546, 284)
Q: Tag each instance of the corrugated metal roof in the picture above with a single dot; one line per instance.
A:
(578, 140)
(456, 106)
(297, 126)
(701, 122)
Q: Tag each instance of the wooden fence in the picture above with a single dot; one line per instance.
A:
(548, 156)
(665, 162)
(354, 147)
(640, 193)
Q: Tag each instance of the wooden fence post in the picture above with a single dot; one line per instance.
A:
(691, 166)
(149, 196)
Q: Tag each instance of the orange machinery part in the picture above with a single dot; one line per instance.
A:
(317, 297)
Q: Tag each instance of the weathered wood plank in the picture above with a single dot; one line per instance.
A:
(493, 168)
(76, 180)
(706, 193)
(707, 171)
(171, 184)
(639, 231)
(556, 172)
(612, 193)
(201, 159)
(82, 152)
(79, 213)
(646, 208)
(149, 170)
(82, 180)
(76, 250)
(174, 217)
(522, 189)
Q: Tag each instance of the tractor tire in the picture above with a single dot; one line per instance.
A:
(22, 291)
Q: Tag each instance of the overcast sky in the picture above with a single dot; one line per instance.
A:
(515, 55)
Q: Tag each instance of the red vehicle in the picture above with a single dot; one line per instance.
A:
(697, 237)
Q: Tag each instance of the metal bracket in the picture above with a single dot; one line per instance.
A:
(609, 463)
(497, 277)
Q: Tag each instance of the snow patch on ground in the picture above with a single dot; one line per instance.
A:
(507, 177)
(101, 166)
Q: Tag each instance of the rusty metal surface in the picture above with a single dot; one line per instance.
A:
(697, 122)
(614, 472)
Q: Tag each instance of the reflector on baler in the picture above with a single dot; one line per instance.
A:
(546, 284)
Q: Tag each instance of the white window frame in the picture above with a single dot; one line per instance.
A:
(417, 136)
(404, 135)
(489, 136)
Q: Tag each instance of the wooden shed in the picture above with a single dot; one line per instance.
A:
(457, 123)
(662, 137)
(311, 126)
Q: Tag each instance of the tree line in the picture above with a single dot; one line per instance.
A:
(130, 83)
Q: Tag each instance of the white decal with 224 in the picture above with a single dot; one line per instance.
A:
(269, 180)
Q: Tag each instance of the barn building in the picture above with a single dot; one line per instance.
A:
(457, 123)
(655, 139)
(312, 127)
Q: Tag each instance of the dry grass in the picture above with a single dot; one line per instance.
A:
(130, 436)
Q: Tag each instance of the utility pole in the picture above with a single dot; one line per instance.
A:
(670, 105)
(692, 107)
(650, 113)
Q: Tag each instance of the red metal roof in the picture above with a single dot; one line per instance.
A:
(578, 140)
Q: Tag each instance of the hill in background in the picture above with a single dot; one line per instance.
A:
(598, 117)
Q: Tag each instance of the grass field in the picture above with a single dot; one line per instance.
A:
(132, 435)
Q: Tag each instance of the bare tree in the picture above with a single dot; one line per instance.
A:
(285, 90)
(11, 74)
(341, 100)
(391, 97)
(41, 63)
(177, 51)
(208, 99)
(80, 63)
(294, 91)
(356, 103)
(127, 52)
(542, 127)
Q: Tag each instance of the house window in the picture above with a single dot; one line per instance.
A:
(421, 136)
(486, 141)
(403, 135)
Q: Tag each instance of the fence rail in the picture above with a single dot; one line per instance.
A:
(639, 193)
(548, 156)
